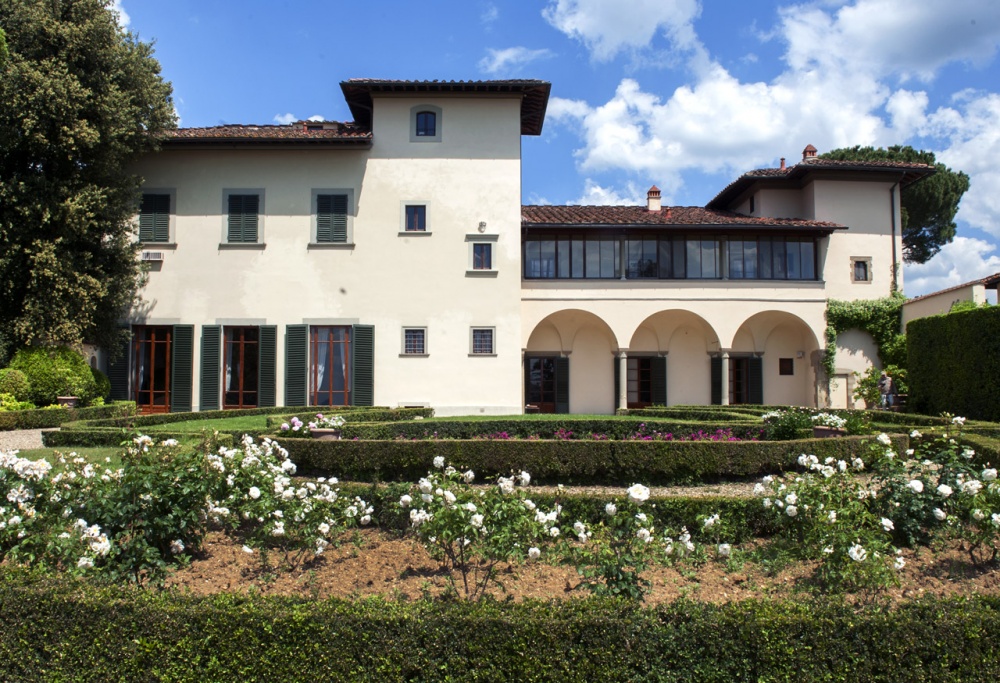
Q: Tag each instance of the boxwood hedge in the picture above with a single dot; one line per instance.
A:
(569, 462)
(72, 631)
(45, 418)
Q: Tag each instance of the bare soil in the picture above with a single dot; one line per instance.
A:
(370, 562)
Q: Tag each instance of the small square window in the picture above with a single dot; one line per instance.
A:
(414, 341)
(861, 269)
(482, 341)
(786, 366)
(482, 256)
(416, 218)
(426, 124)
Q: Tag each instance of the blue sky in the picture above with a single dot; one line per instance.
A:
(684, 94)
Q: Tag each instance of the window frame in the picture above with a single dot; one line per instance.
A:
(438, 122)
(404, 207)
(786, 367)
(261, 213)
(472, 341)
(478, 240)
(171, 220)
(314, 242)
(403, 352)
(867, 261)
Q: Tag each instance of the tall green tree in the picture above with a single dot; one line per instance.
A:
(928, 206)
(80, 100)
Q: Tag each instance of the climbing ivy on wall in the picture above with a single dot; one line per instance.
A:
(878, 317)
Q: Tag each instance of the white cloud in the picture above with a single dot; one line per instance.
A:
(489, 14)
(285, 119)
(834, 93)
(608, 27)
(316, 117)
(911, 39)
(971, 132)
(511, 59)
(964, 260)
(123, 18)
(594, 194)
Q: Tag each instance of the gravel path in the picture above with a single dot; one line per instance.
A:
(21, 439)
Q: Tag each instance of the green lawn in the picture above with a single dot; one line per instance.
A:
(229, 424)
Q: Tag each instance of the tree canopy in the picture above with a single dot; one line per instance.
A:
(80, 100)
(928, 206)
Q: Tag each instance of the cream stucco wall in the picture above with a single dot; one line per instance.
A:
(387, 279)
(941, 302)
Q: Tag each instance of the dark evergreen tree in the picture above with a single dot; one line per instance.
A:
(80, 100)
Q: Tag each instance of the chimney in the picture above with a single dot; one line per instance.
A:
(782, 163)
(653, 199)
(808, 153)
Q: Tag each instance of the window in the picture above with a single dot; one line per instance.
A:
(482, 256)
(415, 218)
(640, 382)
(861, 269)
(241, 367)
(540, 383)
(154, 218)
(425, 123)
(330, 365)
(331, 218)
(414, 341)
(151, 364)
(243, 218)
(482, 341)
(786, 366)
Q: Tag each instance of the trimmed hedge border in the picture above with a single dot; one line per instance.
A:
(107, 437)
(522, 428)
(69, 630)
(569, 462)
(47, 418)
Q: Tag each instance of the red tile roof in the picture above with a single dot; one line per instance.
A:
(674, 216)
(989, 282)
(908, 172)
(534, 95)
(333, 132)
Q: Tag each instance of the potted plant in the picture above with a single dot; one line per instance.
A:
(826, 426)
(326, 428)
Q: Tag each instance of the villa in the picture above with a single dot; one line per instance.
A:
(389, 261)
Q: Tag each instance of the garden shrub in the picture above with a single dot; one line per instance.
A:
(102, 384)
(15, 383)
(54, 372)
(9, 402)
(954, 363)
(67, 630)
(568, 462)
(55, 416)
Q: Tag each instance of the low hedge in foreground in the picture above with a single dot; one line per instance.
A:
(46, 418)
(83, 437)
(569, 462)
(70, 631)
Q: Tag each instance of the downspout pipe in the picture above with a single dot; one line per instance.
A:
(892, 231)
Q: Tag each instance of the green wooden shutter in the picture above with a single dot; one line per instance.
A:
(296, 365)
(154, 218)
(119, 369)
(331, 218)
(267, 369)
(181, 368)
(658, 369)
(716, 380)
(562, 385)
(243, 214)
(363, 365)
(210, 374)
(618, 379)
(755, 380)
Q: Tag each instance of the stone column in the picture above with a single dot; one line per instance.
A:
(725, 378)
(623, 379)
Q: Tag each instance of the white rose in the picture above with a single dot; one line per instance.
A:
(791, 511)
(940, 514)
(405, 501)
(916, 486)
(254, 492)
(725, 549)
(534, 553)
(944, 490)
(439, 461)
(638, 493)
(610, 509)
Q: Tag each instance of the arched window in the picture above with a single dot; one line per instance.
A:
(425, 123)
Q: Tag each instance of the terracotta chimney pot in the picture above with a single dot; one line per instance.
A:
(808, 153)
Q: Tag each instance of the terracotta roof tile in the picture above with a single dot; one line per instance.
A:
(640, 216)
(332, 132)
